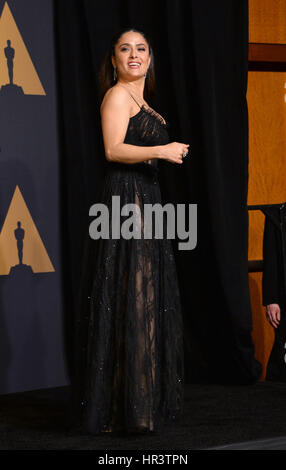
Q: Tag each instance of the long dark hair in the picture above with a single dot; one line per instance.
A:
(105, 75)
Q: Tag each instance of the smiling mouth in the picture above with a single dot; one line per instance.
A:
(134, 65)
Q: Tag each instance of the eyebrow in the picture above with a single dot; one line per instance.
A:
(127, 44)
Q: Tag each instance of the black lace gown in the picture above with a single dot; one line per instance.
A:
(131, 366)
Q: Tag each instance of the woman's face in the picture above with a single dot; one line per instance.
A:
(132, 57)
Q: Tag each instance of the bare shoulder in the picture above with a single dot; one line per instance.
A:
(115, 96)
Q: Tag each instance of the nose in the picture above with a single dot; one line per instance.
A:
(133, 53)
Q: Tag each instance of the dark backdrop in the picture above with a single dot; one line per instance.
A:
(201, 60)
(31, 314)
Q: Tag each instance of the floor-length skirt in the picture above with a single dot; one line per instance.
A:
(131, 332)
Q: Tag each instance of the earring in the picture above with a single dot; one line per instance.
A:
(114, 74)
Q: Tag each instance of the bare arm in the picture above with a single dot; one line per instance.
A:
(115, 111)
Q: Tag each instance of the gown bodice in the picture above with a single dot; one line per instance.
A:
(146, 128)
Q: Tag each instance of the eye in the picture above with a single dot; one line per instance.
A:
(140, 48)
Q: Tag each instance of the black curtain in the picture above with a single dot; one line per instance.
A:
(201, 61)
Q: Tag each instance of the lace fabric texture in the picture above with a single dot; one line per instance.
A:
(130, 366)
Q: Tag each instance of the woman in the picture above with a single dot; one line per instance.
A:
(132, 369)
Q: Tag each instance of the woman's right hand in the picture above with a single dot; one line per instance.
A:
(173, 152)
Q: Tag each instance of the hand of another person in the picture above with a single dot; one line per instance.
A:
(273, 314)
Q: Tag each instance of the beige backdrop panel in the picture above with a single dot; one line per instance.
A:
(267, 21)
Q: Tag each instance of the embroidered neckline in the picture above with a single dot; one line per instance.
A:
(151, 112)
(154, 113)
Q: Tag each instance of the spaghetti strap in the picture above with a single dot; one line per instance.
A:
(148, 110)
(134, 100)
(140, 106)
